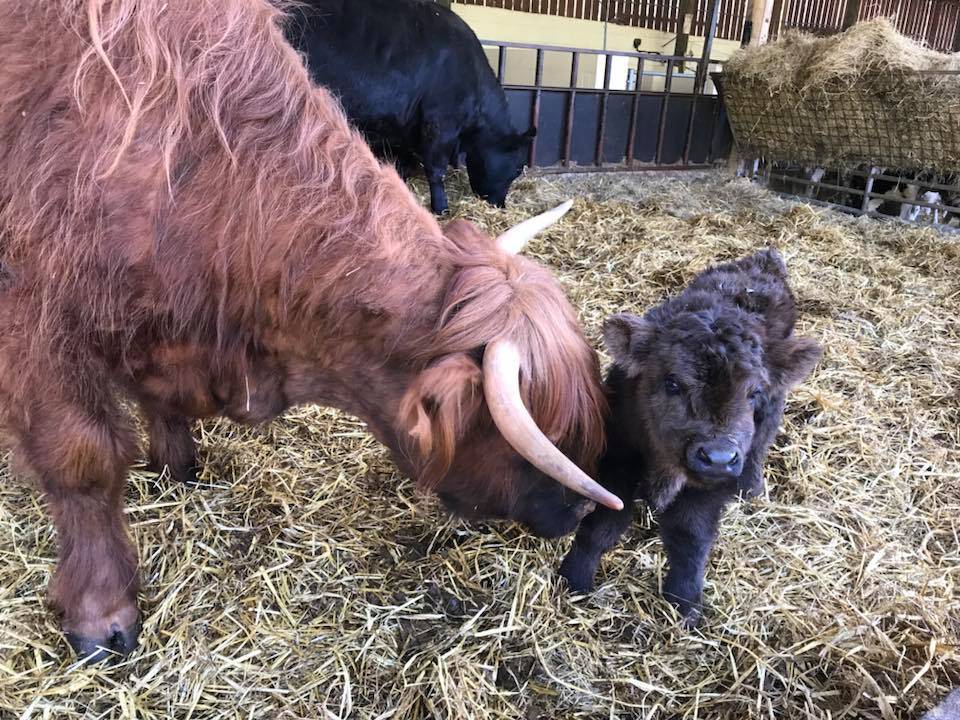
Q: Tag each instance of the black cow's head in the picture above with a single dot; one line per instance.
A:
(494, 164)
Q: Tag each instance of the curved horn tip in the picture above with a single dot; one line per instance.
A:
(501, 385)
(515, 239)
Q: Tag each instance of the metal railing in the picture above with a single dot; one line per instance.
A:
(701, 128)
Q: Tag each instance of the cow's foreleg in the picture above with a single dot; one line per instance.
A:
(688, 527)
(600, 530)
(438, 193)
(172, 446)
(436, 150)
(80, 450)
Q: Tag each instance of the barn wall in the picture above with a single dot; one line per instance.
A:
(497, 24)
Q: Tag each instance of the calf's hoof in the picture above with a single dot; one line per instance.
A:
(113, 647)
(691, 612)
(579, 571)
(692, 618)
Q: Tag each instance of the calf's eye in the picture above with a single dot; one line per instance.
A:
(671, 386)
(756, 397)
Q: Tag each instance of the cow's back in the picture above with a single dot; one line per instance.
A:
(396, 63)
(162, 185)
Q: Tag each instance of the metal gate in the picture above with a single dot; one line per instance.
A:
(598, 110)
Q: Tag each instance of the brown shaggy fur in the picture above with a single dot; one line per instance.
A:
(186, 221)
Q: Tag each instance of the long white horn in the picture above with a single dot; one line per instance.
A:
(501, 387)
(514, 239)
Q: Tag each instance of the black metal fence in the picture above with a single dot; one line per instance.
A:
(659, 112)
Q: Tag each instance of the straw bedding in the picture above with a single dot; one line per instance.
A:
(307, 579)
(867, 96)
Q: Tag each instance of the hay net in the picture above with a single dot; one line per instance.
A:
(868, 96)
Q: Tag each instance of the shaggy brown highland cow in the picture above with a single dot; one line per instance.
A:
(188, 223)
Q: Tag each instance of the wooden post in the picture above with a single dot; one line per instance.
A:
(761, 13)
(850, 14)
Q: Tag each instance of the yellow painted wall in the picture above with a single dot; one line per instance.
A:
(512, 26)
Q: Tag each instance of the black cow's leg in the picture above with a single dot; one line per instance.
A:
(600, 530)
(688, 528)
(436, 151)
(172, 446)
(438, 194)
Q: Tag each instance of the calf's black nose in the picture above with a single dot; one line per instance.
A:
(716, 458)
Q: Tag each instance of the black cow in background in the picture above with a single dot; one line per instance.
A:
(414, 79)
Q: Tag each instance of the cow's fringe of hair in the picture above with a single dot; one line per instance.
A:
(167, 170)
(494, 296)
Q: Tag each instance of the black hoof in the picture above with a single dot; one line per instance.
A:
(692, 618)
(113, 648)
(691, 613)
(578, 571)
(188, 475)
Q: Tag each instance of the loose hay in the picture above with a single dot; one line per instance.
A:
(307, 579)
(867, 96)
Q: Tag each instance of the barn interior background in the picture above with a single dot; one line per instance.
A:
(635, 84)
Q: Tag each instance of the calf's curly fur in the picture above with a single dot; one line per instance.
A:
(709, 368)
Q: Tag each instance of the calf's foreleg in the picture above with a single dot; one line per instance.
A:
(688, 528)
(600, 530)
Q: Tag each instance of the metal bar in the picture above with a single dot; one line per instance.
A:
(587, 91)
(661, 128)
(701, 75)
(590, 51)
(535, 119)
(650, 167)
(690, 118)
(908, 181)
(568, 131)
(603, 112)
(955, 45)
(634, 107)
(810, 183)
(713, 128)
(776, 18)
(501, 63)
(854, 210)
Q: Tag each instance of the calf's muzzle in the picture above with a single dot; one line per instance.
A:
(717, 458)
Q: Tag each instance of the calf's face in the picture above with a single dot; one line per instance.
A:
(700, 382)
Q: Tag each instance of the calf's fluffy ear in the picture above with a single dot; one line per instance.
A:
(626, 337)
(792, 359)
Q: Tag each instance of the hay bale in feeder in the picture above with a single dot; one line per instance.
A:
(869, 96)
